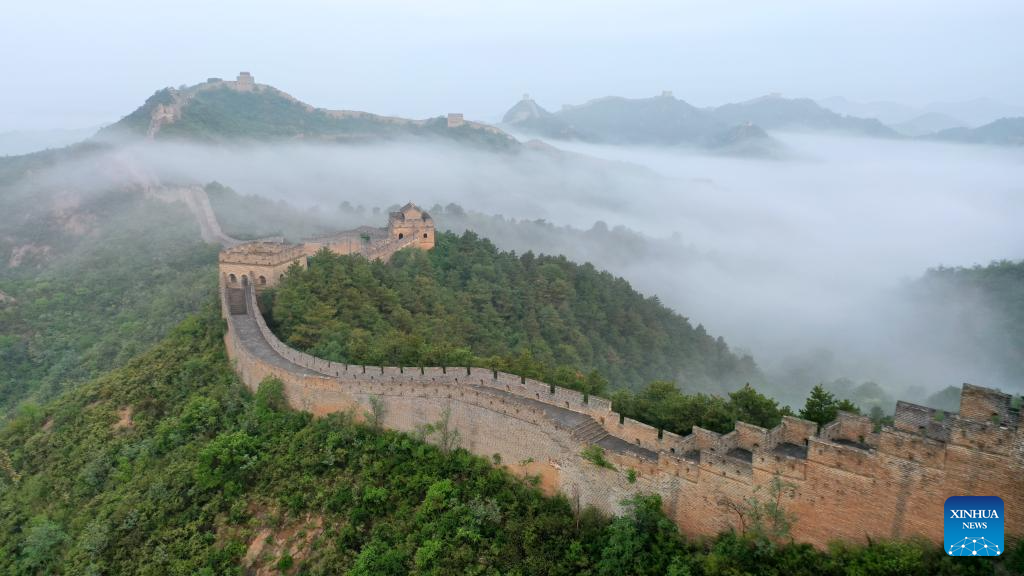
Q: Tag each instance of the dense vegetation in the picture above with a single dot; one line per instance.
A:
(985, 303)
(102, 283)
(168, 466)
(467, 303)
(663, 406)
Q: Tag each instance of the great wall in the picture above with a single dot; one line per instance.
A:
(844, 482)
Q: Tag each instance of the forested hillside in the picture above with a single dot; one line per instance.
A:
(212, 113)
(167, 466)
(984, 304)
(465, 302)
(90, 281)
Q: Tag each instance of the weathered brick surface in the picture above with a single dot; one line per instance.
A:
(845, 482)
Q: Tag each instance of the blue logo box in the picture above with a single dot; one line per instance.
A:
(974, 526)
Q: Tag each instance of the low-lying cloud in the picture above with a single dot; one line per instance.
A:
(798, 261)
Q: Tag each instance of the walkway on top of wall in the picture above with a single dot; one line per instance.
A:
(248, 333)
(569, 419)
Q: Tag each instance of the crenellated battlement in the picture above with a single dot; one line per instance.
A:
(264, 262)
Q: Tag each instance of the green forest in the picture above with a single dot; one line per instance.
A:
(467, 303)
(982, 301)
(168, 466)
(102, 288)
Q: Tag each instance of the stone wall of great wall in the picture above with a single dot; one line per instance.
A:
(264, 262)
(845, 481)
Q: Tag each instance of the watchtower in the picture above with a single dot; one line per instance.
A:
(412, 222)
(245, 82)
(261, 264)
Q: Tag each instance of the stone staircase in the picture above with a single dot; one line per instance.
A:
(236, 301)
(588, 431)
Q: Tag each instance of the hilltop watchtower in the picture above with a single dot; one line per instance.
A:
(412, 222)
(245, 82)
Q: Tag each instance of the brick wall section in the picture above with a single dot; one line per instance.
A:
(847, 482)
(265, 262)
(982, 404)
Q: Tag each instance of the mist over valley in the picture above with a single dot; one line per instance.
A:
(806, 262)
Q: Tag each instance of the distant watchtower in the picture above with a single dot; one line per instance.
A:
(455, 119)
(245, 82)
(409, 222)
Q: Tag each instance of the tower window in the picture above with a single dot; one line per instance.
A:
(400, 235)
(424, 235)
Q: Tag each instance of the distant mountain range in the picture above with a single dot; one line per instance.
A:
(980, 121)
(666, 120)
(927, 123)
(242, 110)
(773, 112)
(1002, 132)
(658, 121)
(234, 110)
(744, 126)
(969, 113)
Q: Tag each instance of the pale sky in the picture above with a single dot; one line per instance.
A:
(73, 64)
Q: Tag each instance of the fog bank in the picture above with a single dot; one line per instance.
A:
(798, 261)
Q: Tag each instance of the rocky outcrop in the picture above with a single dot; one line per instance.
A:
(27, 251)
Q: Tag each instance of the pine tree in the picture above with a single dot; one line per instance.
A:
(821, 406)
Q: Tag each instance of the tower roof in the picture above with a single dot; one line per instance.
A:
(409, 207)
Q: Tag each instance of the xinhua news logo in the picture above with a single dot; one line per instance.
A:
(974, 526)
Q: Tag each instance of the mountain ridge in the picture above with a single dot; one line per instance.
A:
(234, 110)
(775, 112)
(659, 121)
(1002, 132)
(665, 120)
